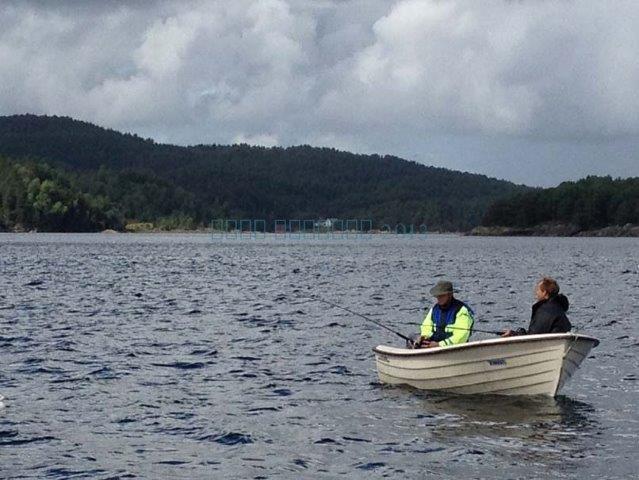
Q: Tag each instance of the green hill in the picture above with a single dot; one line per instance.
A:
(122, 177)
(588, 204)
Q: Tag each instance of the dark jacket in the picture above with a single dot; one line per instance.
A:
(549, 316)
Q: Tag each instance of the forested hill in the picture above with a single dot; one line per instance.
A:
(53, 164)
(588, 204)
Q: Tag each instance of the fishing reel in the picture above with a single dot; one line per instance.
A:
(414, 341)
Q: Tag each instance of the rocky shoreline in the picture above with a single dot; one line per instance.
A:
(556, 230)
(545, 230)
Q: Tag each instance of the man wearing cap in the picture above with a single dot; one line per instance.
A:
(448, 322)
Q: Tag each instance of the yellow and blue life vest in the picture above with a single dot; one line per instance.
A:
(450, 326)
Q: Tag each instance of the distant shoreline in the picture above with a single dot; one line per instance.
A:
(494, 231)
(555, 230)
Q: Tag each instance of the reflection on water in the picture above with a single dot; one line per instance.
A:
(540, 428)
(509, 410)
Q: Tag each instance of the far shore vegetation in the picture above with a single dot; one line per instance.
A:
(591, 206)
(61, 175)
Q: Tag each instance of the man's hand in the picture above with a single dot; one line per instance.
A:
(507, 333)
(418, 341)
(414, 341)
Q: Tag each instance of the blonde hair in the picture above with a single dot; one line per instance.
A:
(549, 286)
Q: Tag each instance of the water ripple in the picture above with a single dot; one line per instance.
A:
(172, 356)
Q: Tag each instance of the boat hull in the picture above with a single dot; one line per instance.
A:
(523, 365)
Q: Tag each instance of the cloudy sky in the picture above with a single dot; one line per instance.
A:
(532, 91)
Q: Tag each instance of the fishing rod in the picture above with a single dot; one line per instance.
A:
(492, 332)
(362, 316)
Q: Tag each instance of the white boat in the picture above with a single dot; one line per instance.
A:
(521, 365)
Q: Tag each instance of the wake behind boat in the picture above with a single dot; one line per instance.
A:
(521, 365)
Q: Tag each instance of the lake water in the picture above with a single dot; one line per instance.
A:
(180, 356)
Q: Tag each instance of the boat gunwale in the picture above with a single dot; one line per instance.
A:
(471, 361)
(409, 353)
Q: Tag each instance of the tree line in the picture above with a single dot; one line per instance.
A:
(96, 178)
(590, 203)
(35, 195)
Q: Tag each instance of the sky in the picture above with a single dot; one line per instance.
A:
(536, 92)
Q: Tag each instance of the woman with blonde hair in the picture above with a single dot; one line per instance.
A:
(548, 313)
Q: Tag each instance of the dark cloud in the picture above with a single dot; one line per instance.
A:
(533, 91)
